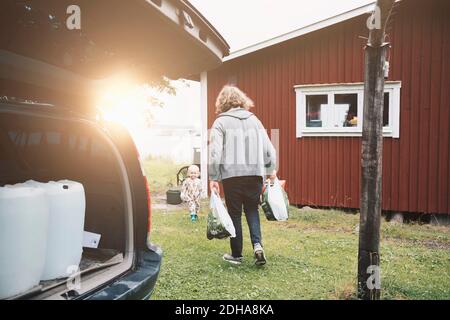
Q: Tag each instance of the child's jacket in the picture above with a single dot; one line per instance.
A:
(191, 192)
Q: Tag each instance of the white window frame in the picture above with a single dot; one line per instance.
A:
(393, 130)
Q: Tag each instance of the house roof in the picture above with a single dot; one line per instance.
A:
(302, 31)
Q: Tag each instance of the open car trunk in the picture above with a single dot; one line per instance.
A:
(43, 146)
(43, 61)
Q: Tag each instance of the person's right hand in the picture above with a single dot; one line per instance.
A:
(214, 186)
(273, 176)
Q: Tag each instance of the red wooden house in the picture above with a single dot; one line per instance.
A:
(308, 84)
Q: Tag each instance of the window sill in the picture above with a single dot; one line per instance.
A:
(311, 133)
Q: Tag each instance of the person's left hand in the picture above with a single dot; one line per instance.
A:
(214, 186)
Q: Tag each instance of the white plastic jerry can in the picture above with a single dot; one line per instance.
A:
(67, 205)
(24, 216)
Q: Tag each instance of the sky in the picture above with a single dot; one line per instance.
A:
(241, 23)
(247, 22)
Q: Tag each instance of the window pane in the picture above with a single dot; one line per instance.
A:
(314, 109)
(53, 137)
(345, 110)
(386, 110)
(34, 138)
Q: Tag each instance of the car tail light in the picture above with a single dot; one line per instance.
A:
(147, 192)
(149, 209)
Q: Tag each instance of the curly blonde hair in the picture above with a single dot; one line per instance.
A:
(232, 97)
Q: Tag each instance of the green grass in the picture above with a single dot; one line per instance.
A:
(161, 174)
(311, 256)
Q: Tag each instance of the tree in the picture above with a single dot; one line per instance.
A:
(371, 156)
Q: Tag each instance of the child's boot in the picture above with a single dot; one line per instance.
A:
(194, 216)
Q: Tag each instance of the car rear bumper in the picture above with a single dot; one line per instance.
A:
(138, 284)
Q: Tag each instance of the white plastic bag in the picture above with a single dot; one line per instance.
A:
(219, 218)
(276, 200)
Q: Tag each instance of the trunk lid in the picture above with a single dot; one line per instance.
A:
(147, 39)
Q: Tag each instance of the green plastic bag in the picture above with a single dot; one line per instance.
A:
(214, 228)
(219, 224)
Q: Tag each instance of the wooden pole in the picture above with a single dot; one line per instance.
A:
(371, 157)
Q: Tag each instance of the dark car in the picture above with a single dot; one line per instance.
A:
(49, 129)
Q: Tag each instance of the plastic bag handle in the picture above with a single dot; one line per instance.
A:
(271, 183)
(215, 197)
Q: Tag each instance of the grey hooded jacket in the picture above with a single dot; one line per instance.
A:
(239, 146)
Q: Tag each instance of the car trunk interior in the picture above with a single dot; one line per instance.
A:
(46, 148)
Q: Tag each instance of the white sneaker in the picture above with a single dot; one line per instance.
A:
(260, 258)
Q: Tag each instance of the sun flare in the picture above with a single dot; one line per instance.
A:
(126, 103)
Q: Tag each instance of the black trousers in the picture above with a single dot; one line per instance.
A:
(243, 193)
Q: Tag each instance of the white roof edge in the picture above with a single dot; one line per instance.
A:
(302, 31)
(348, 84)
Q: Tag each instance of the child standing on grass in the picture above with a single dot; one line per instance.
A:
(192, 190)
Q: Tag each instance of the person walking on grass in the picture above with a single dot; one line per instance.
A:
(241, 156)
